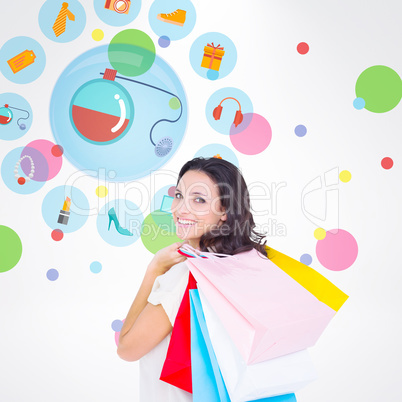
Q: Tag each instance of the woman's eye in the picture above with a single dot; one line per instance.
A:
(199, 200)
(178, 195)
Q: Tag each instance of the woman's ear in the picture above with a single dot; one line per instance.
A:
(223, 216)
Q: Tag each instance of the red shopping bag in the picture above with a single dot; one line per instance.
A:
(176, 369)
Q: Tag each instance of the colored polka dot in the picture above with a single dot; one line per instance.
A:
(97, 34)
(212, 75)
(57, 150)
(306, 259)
(345, 176)
(95, 267)
(387, 163)
(21, 180)
(10, 248)
(52, 274)
(117, 325)
(303, 48)
(171, 191)
(300, 130)
(117, 335)
(57, 234)
(359, 103)
(320, 233)
(338, 251)
(380, 87)
(101, 191)
(164, 41)
(174, 103)
(253, 139)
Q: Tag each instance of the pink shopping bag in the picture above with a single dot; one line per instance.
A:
(265, 311)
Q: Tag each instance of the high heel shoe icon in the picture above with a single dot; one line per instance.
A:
(113, 217)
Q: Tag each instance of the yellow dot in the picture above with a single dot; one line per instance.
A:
(320, 233)
(97, 34)
(101, 191)
(345, 176)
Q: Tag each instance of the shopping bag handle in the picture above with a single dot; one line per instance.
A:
(197, 253)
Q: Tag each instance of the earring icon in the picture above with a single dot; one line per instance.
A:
(218, 112)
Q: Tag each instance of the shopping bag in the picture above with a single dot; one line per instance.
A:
(176, 369)
(280, 377)
(265, 311)
(208, 384)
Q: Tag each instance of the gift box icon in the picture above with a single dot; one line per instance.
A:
(212, 56)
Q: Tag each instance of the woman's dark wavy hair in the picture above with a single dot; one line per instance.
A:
(237, 233)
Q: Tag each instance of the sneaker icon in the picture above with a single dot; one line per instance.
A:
(177, 17)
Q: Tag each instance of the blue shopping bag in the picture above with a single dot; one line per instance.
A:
(208, 384)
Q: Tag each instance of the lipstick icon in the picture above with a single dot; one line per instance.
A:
(65, 212)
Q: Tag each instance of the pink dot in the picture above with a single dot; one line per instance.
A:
(57, 235)
(337, 251)
(303, 48)
(57, 150)
(387, 163)
(252, 136)
(171, 191)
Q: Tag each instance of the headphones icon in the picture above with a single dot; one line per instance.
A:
(238, 116)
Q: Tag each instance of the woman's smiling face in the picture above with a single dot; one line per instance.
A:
(196, 206)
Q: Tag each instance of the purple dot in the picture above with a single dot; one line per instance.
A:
(52, 274)
(117, 325)
(306, 259)
(164, 41)
(300, 130)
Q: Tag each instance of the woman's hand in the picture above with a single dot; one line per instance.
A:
(165, 258)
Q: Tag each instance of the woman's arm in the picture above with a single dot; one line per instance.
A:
(147, 325)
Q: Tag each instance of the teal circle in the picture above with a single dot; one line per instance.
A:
(8, 175)
(230, 107)
(208, 151)
(10, 248)
(95, 267)
(172, 31)
(111, 17)
(12, 131)
(13, 48)
(73, 29)
(53, 203)
(228, 61)
(129, 217)
(359, 103)
(99, 96)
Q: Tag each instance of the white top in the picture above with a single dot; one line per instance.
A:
(168, 290)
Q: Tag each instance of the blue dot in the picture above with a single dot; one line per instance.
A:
(96, 267)
(164, 41)
(117, 325)
(306, 259)
(359, 103)
(52, 274)
(23, 126)
(212, 75)
(300, 130)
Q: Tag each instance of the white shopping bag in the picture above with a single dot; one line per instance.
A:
(282, 375)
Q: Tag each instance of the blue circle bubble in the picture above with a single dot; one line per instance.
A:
(202, 49)
(164, 41)
(300, 130)
(95, 267)
(134, 155)
(8, 166)
(226, 153)
(306, 259)
(167, 25)
(53, 204)
(21, 116)
(359, 103)
(52, 274)
(117, 325)
(106, 11)
(119, 223)
(73, 27)
(22, 60)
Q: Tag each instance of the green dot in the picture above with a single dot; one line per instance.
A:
(174, 103)
(131, 52)
(10, 248)
(380, 87)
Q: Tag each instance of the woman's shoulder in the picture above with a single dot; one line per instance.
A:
(175, 274)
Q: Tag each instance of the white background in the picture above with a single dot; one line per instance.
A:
(56, 341)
